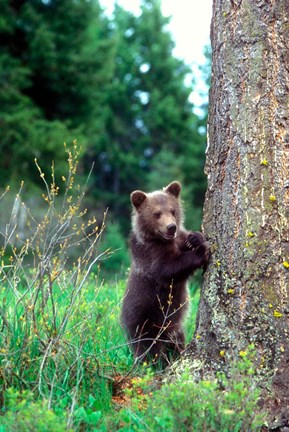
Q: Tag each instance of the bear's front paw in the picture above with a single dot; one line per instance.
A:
(195, 240)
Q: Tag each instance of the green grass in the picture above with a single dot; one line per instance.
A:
(70, 367)
(70, 372)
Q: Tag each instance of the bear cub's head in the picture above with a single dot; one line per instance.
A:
(157, 215)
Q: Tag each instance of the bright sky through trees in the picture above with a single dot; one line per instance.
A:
(190, 27)
(190, 24)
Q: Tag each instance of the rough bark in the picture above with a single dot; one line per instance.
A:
(245, 293)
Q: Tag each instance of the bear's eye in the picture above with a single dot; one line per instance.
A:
(157, 215)
(173, 212)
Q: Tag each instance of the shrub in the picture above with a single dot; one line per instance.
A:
(222, 404)
(25, 415)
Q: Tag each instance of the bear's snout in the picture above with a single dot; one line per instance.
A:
(171, 229)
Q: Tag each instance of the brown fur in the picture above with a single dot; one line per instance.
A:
(164, 255)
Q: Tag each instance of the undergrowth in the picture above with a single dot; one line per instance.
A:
(64, 360)
(60, 338)
(221, 404)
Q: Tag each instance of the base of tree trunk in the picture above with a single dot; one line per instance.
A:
(274, 399)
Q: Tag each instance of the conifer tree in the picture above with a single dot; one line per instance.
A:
(151, 129)
(54, 66)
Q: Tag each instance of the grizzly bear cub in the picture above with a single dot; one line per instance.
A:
(164, 255)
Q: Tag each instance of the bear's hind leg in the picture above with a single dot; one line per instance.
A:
(148, 346)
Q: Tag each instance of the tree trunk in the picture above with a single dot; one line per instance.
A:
(245, 293)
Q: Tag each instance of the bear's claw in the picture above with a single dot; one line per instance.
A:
(189, 245)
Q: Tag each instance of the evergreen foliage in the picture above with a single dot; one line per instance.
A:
(54, 67)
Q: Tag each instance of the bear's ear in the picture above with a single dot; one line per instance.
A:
(174, 188)
(137, 198)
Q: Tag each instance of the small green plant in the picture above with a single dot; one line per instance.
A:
(25, 415)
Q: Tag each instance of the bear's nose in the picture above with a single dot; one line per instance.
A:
(172, 228)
